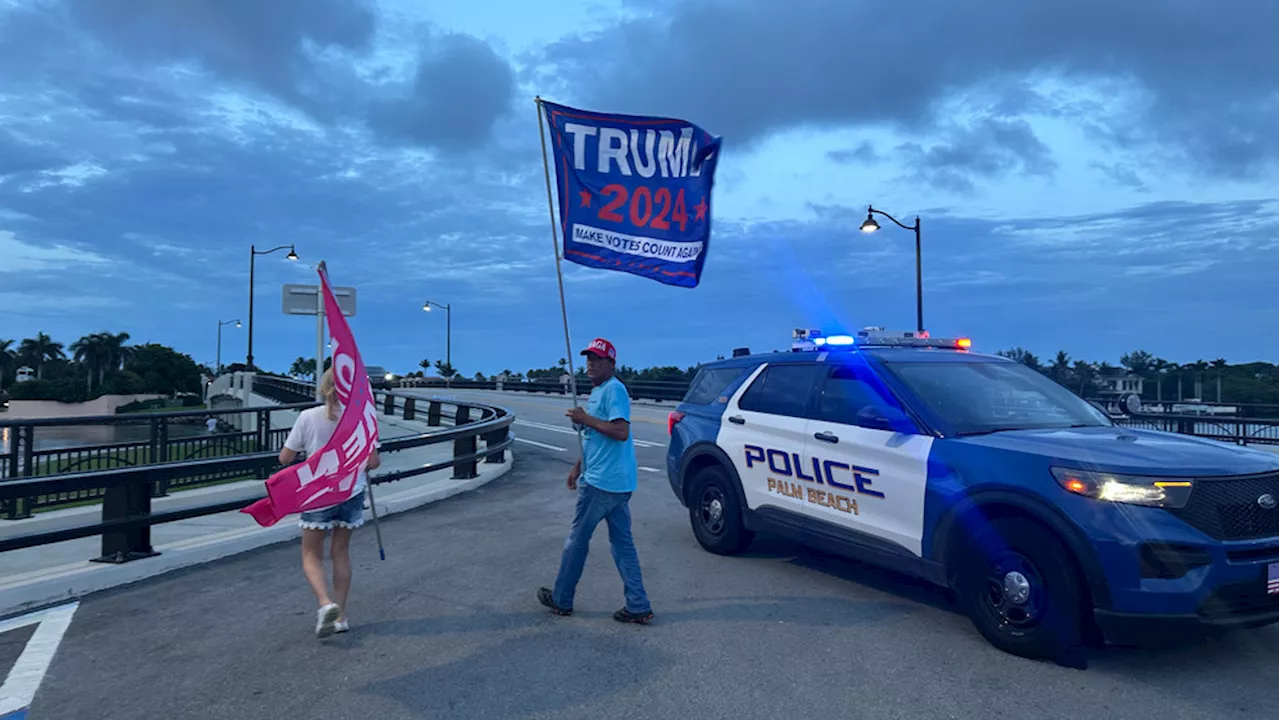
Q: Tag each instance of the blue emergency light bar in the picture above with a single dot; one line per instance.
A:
(873, 337)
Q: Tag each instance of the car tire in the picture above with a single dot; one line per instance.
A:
(1019, 587)
(716, 514)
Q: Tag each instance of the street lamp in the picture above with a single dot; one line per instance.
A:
(220, 324)
(448, 333)
(253, 253)
(870, 225)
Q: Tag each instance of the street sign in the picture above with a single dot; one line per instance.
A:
(303, 299)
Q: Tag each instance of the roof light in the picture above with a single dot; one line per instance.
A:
(879, 337)
(840, 340)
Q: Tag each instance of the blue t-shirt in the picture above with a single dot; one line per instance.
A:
(608, 464)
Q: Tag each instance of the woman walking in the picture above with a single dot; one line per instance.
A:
(312, 430)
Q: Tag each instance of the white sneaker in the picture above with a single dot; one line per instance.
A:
(325, 618)
(341, 626)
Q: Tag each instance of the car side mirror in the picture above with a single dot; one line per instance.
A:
(879, 417)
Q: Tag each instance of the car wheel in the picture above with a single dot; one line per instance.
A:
(1020, 590)
(715, 513)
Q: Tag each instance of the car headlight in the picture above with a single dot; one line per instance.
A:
(1162, 492)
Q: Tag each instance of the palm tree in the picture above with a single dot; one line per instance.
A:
(116, 352)
(8, 360)
(1084, 374)
(1023, 356)
(303, 367)
(1160, 368)
(1199, 367)
(1061, 368)
(90, 351)
(38, 350)
(1220, 364)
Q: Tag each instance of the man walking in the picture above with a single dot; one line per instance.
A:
(605, 489)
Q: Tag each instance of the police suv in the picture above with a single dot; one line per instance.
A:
(1052, 526)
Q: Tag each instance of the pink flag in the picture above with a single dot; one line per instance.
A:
(328, 477)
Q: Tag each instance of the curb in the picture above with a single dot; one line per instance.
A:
(43, 588)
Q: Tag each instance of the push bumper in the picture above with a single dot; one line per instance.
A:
(1236, 606)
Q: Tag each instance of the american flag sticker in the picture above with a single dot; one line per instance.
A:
(1273, 578)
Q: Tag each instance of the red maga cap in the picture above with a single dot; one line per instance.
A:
(601, 348)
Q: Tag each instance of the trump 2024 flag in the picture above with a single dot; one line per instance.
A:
(328, 477)
(634, 192)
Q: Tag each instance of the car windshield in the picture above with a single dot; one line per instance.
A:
(982, 397)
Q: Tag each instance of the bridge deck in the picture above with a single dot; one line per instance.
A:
(448, 626)
(20, 569)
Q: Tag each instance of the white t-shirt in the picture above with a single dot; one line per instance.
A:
(311, 431)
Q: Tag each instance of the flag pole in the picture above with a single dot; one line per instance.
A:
(555, 247)
(377, 529)
(320, 358)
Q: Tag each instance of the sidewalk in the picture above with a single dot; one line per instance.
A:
(47, 574)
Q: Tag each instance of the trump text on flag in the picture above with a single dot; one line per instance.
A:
(634, 192)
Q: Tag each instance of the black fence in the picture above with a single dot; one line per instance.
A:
(660, 390)
(57, 446)
(1238, 430)
(1241, 423)
(126, 492)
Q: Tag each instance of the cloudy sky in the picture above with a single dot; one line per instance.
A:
(1093, 176)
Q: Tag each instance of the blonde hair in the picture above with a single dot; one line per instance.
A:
(330, 393)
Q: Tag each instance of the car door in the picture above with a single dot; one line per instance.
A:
(873, 460)
(764, 431)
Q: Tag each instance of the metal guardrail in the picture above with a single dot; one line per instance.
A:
(239, 431)
(1238, 430)
(1258, 425)
(127, 492)
(1234, 429)
(662, 390)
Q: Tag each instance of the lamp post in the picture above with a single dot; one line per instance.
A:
(254, 253)
(448, 332)
(870, 225)
(220, 324)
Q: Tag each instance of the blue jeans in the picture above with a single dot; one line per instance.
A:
(595, 505)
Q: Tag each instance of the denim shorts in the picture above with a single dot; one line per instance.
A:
(347, 514)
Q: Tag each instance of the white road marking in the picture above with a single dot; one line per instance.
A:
(649, 469)
(28, 672)
(571, 431)
(543, 426)
(538, 444)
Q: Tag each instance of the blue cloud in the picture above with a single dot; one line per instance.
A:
(143, 152)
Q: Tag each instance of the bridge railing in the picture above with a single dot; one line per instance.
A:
(661, 390)
(1253, 424)
(1238, 430)
(54, 446)
(126, 492)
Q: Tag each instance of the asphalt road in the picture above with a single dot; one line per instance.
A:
(448, 626)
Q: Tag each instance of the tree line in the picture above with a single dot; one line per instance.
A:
(97, 364)
(626, 373)
(1208, 381)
